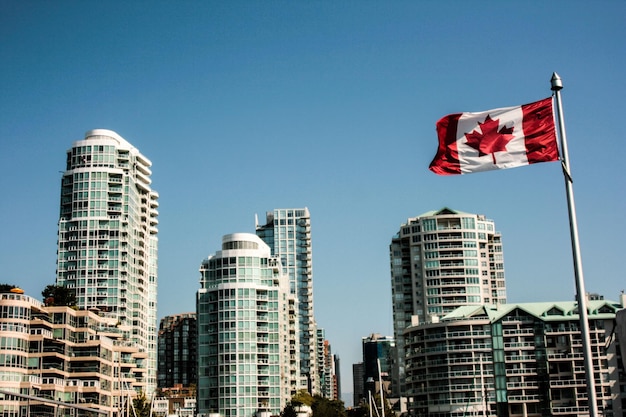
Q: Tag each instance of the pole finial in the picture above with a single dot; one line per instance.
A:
(556, 82)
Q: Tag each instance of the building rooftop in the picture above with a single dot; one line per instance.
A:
(547, 311)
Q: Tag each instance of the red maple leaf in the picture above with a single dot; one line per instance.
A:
(491, 139)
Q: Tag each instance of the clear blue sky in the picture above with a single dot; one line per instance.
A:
(247, 106)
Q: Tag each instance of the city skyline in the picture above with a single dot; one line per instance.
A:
(249, 106)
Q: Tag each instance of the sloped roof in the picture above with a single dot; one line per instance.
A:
(443, 211)
(546, 311)
(467, 312)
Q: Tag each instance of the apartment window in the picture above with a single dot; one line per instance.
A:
(432, 264)
(468, 223)
(429, 224)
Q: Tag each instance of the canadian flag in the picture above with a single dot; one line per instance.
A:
(502, 138)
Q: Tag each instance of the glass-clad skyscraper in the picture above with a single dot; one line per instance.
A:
(245, 330)
(439, 261)
(288, 234)
(107, 236)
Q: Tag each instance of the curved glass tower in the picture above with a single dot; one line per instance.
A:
(107, 237)
(246, 330)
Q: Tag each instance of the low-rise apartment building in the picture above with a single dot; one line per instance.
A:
(513, 360)
(62, 361)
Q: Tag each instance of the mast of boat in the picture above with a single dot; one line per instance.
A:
(380, 382)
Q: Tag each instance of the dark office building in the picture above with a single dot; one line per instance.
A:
(358, 395)
(378, 351)
(177, 351)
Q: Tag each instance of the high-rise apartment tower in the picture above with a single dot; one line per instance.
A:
(107, 237)
(328, 368)
(442, 260)
(288, 234)
(246, 334)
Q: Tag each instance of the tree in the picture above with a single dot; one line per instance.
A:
(289, 411)
(141, 405)
(56, 295)
(302, 397)
(323, 407)
(6, 287)
(358, 412)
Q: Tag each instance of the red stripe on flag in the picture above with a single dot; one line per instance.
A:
(539, 132)
(446, 162)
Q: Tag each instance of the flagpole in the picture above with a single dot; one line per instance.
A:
(581, 295)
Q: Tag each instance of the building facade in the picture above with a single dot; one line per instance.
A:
(378, 351)
(358, 393)
(329, 375)
(337, 377)
(65, 362)
(177, 401)
(245, 340)
(439, 261)
(288, 234)
(107, 236)
(514, 360)
(177, 347)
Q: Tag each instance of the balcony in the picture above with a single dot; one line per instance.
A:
(521, 371)
(567, 383)
(522, 385)
(556, 410)
(523, 398)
